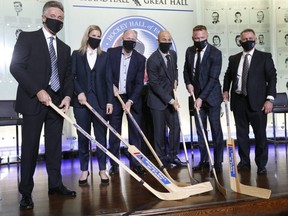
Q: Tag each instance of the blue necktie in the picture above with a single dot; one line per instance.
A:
(54, 79)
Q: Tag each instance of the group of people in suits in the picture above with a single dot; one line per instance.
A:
(97, 77)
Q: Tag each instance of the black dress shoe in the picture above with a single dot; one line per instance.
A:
(114, 170)
(62, 190)
(243, 167)
(26, 202)
(104, 181)
(83, 182)
(261, 171)
(177, 162)
(139, 170)
(201, 166)
(218, 169)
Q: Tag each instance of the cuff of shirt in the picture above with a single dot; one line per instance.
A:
(171, 101)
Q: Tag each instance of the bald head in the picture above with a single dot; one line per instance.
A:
(164, 36)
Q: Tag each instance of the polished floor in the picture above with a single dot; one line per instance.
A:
(125, 196)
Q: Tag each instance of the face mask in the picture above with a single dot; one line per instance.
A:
(200, 44)
(54, 25)
(164, 47)
(94, 42)
(129, 45)
(248, 45)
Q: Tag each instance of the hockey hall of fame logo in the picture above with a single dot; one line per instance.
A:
(147, 34)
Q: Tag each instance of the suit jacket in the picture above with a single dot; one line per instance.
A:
(82, 77)
(135, 74)
(210, 69)
(31, 67)
(261, 80)
(160, 82)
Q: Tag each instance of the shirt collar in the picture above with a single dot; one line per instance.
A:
(249, 52)
(91, 51)
(47, 34)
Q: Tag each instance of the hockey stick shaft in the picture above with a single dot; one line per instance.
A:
(234, 176)
(162, 167)
(219, 186)
(184, 144)
(161, 195)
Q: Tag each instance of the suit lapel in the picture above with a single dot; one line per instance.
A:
(163, 65)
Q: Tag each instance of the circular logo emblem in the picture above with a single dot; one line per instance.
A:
(147, 34)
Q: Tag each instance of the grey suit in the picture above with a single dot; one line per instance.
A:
(160, 93)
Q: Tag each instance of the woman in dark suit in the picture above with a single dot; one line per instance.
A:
(92, 83)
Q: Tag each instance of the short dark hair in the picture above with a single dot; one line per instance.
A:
(50, 4)
(199, 28)
(248, 30)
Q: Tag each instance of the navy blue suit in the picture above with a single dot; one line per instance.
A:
(134, 86)
(261, 82)
(31, 67)
(96, 84)
(160, 93)
(211, 95)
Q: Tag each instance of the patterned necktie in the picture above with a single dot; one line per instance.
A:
(169, 66)
(197, 74)
(54, 79)
(245, 75)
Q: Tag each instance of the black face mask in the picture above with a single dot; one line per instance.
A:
(248, 45)
(200, 44)
(129, 45)
(94, 42)
(164, 47)
(54, 25)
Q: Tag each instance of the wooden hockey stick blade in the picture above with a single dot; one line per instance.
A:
(162, 167)
(178, 195)
(147, 164)
(184, 145)
(234, 180)
(234, 176)
(219, 186)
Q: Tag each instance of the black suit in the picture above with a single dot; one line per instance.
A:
(160, 93)
(96, 84)
(261, 82)
(31, 67)
(134, 86)
(209, 90)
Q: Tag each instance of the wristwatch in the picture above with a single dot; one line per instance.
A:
(271, 100)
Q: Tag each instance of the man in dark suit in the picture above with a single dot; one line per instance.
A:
(162, 79)
(128, 80)
(32, 68)
(251, 98)
(202, 68)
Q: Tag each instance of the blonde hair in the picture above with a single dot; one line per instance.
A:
(84, 42)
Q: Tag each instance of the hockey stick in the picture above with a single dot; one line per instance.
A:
(148, 165)
(162, 167)
(176, 195)
(234, 177)
(184, 144)
(219, 186)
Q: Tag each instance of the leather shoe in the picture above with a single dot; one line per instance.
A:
(62, 190)
(114, 170)
(84, 182)
(26, 202)
(218, 169)
(243, 167)
(261, 171)
(139, 170)
(177, 161)
(105, 180)
(201, 166)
